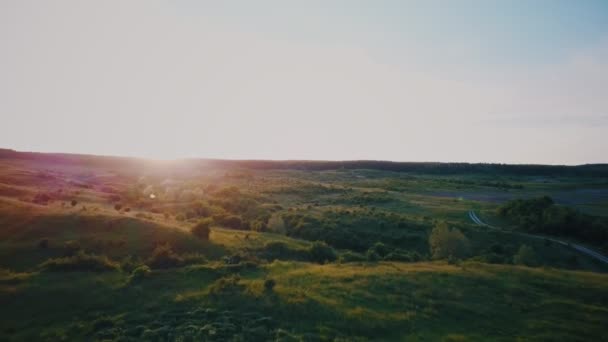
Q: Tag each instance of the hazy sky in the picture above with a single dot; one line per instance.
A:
(477, 81)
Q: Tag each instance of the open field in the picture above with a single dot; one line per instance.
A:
(103, 248)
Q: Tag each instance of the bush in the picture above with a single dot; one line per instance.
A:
(371, 255)
(445, 243)
(128, 264)
(227, 285)
(350, 256)
(525, 256)
(269, 285)
(259, 226)
(164, 257)
(74, 203)
(380, 249)
(139, 273)
(117, 206)
(202, 229)
(193, 258)
(321, 253)
(80, 262)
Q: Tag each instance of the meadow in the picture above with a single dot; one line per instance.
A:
(124, 249)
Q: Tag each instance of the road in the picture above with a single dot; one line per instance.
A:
(579, 248)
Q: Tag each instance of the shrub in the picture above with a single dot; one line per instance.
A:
(139, 273)
(80, 262)
(259, 226)
(269, 285)
(371, 255)
(445, 243)
(128, 264)
(202, 229)
(127, 209)
(164, 257)
(117, 206)
(74, 203)
(227, 285)
(381, 249)
(193, 258)
(350, 256)
(321, 253)
(525, 256)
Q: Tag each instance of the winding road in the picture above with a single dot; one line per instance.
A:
(581, 249)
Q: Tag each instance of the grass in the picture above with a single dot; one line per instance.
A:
(217, 291)
(390, 301)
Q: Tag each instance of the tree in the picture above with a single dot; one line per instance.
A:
(202, 229)
(525, 256)
(320, 252)
(164, 257)
(445, 243)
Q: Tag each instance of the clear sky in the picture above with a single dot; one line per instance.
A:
(478, 81)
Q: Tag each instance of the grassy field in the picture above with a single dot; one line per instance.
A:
(100, 248)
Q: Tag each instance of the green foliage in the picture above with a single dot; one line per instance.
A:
(321, 253)
(350, 256)
(371, 255)
(202, 229)
(130, 263)
(269, 284)
(525, 256)
(80, 262)
(229, 285)
(139, 273)
(541, 215)
(164, 257)
(445, 242)
(380, 249)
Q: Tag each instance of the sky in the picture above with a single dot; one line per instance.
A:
(468, 81)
